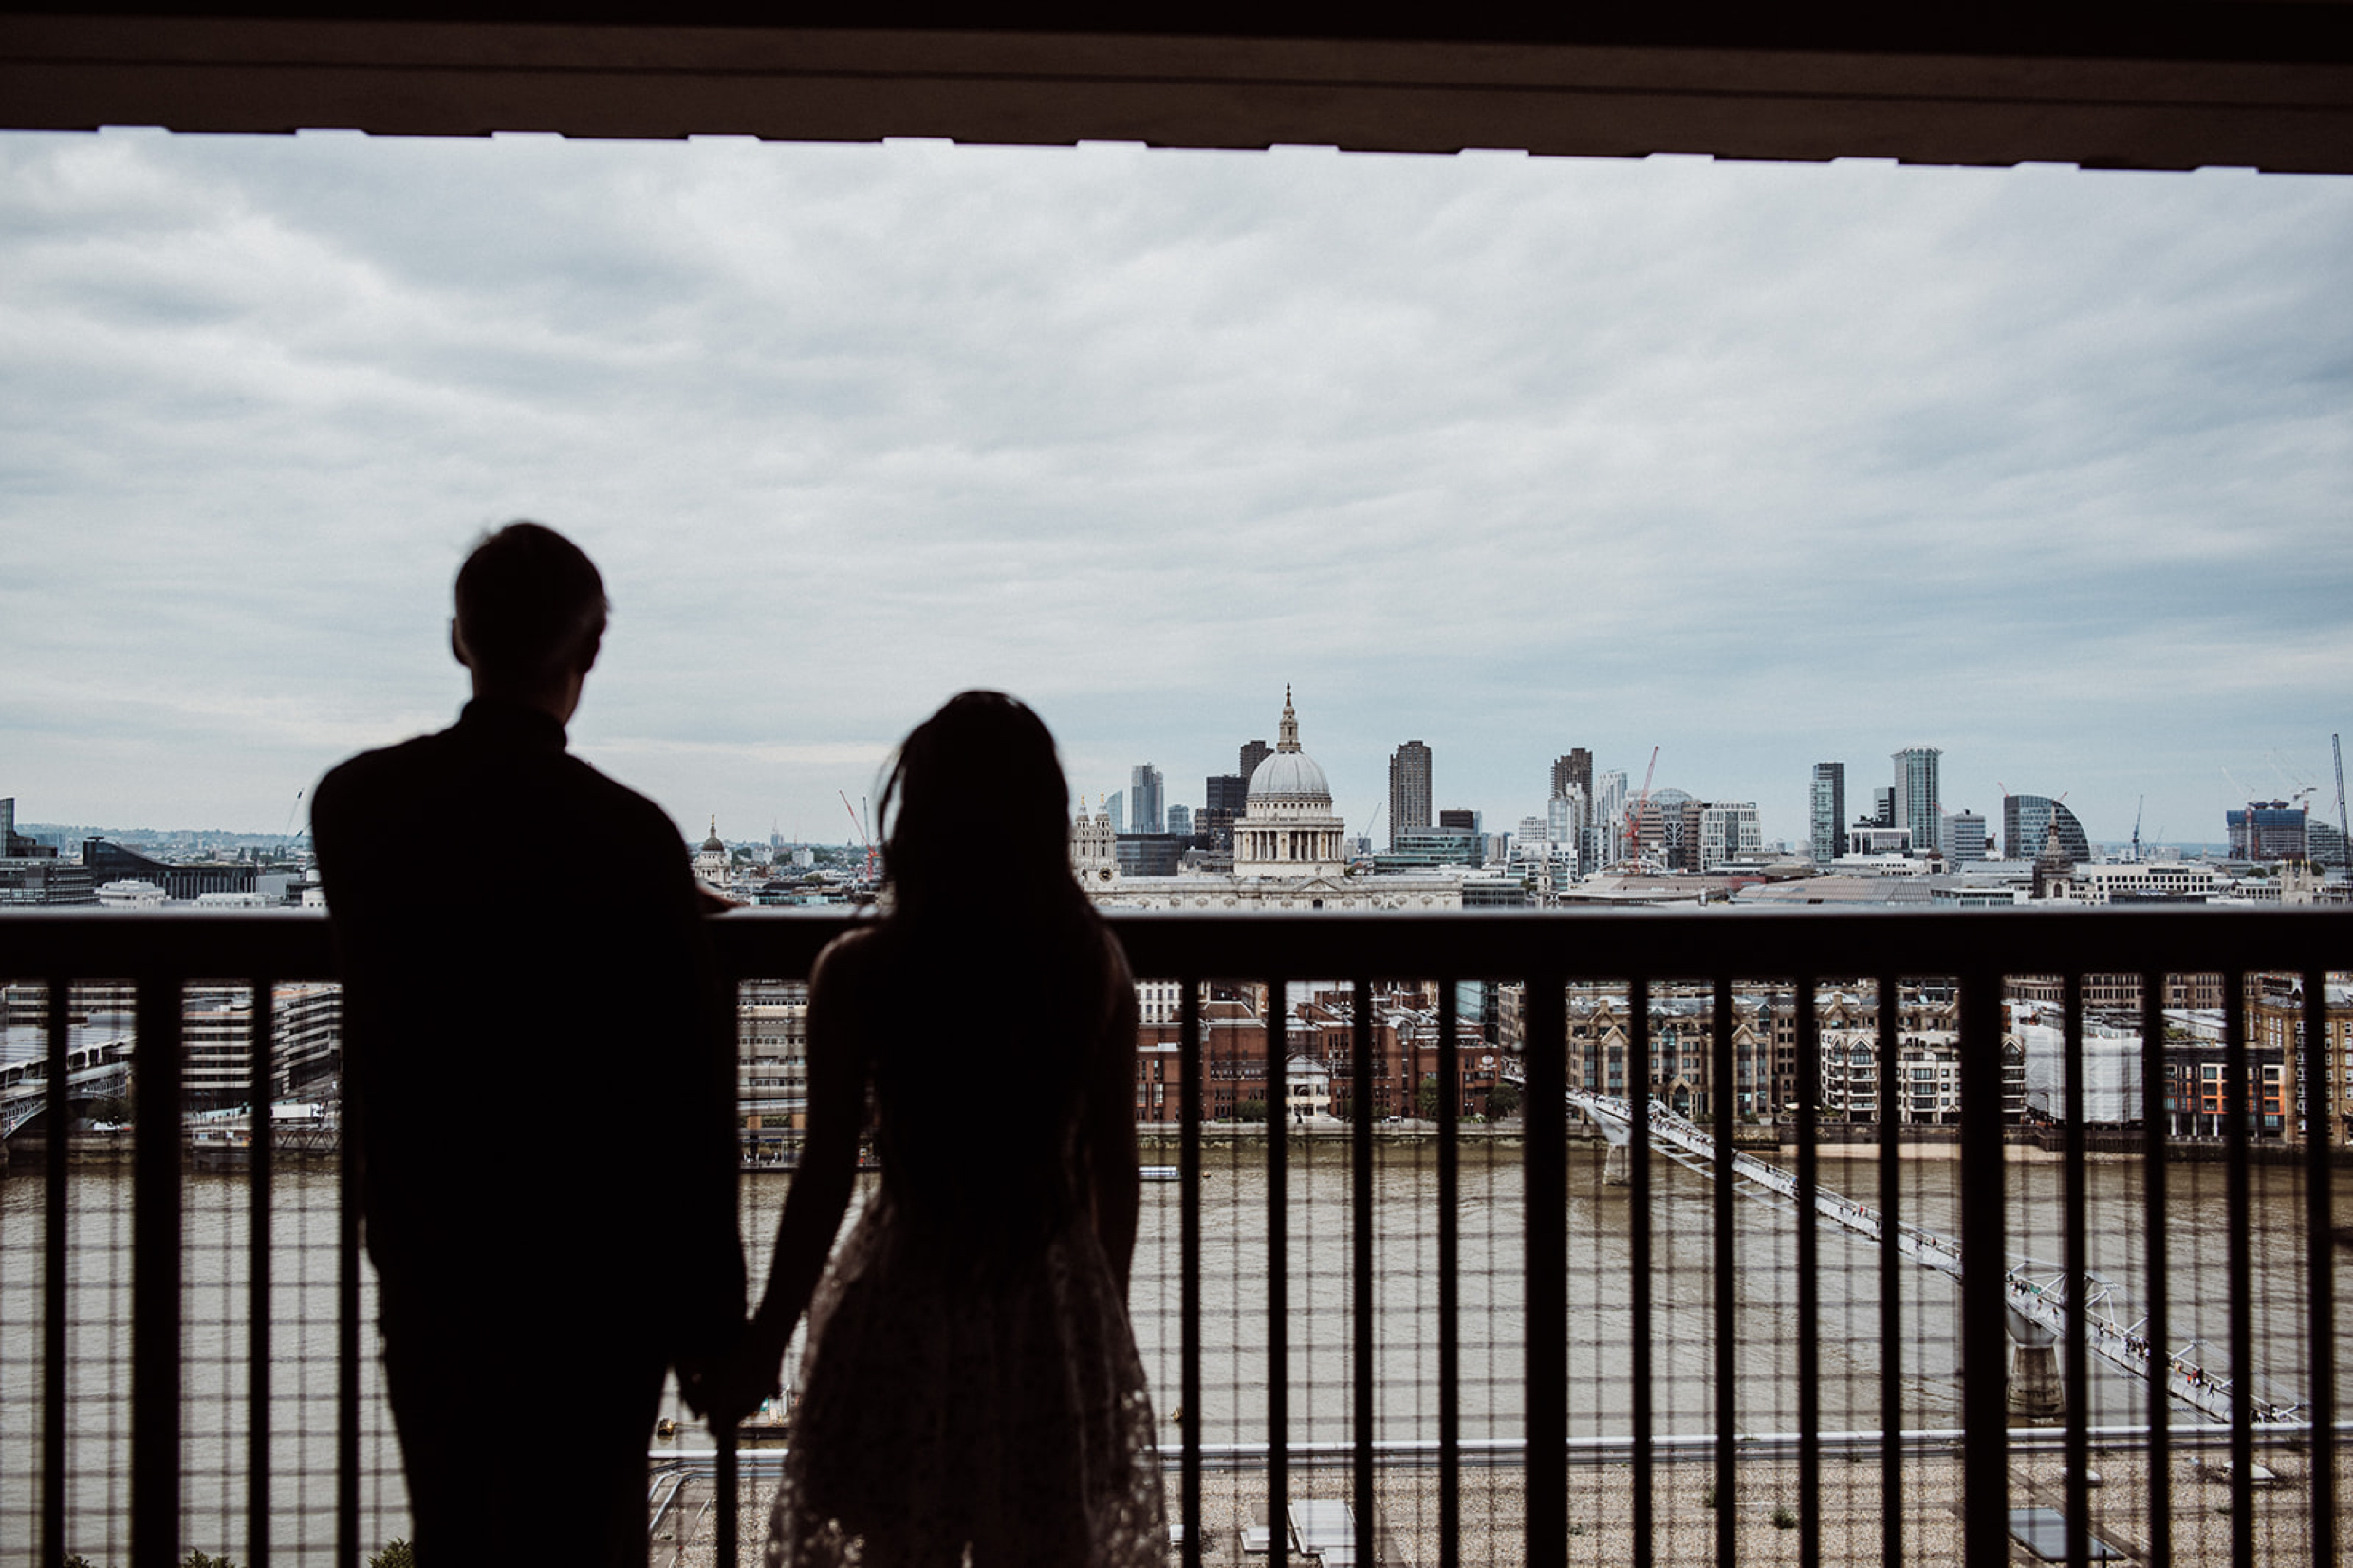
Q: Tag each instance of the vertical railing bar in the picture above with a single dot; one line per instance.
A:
(2321, 1129)
(726, 1481)
(1985, 1260)
(727, 1499)
(1360, 1175)
(155, 1274)
(1891, 1272)
(259, 1175)
(1449, 1298)
(1638, 1245)
(2155, 1079)
(1727, 1327)
(2239, 1108)
(347, 1348)
(1278, 1280)
(2074, 1249)
(53, 1268)
(1808, 1286)
(1189, 1262)
(1545, 1162)
(1546, 1249)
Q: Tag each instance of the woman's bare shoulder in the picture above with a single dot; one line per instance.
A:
(845, 962)
(1115, 956)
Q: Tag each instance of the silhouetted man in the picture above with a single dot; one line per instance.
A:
(539, 1084)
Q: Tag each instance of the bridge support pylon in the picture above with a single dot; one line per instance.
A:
(2037, 1395)
(1620, 1132)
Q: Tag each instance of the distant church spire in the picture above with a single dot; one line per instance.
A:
(1288, 740)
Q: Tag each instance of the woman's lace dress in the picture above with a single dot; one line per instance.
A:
(969, 1382)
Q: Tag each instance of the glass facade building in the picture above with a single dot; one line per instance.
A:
(1146, 794)
(1917, 804)
(2275, 831)
(2027, 822)
(1829, 812)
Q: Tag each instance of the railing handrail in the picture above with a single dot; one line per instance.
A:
(1574, 944)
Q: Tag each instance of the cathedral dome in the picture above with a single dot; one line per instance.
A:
(1288, 827)
(1288, 773)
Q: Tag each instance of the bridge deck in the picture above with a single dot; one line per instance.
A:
(2037, 1296)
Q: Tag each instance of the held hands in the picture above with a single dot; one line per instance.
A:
(732, 1387)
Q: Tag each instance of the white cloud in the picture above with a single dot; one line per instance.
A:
(1759, 464)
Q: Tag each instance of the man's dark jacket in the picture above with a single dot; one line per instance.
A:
(540, 1081)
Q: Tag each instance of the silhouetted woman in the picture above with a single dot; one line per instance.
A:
(970, 1380)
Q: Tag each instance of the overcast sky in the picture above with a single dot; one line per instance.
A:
(1758, 465)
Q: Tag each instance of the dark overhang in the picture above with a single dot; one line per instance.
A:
(2263, 86)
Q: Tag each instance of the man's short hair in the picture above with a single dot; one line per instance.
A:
(527, 601)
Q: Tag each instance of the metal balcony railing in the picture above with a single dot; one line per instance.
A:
(2304, 1342)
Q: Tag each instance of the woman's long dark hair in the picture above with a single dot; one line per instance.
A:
(993, 985)
(976, 812)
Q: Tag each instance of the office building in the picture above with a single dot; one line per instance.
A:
(1605, 835)
(1965, 838)
(1223, 796)
(1423, 848)
(1179, 822)
(2267, 830)
(33, 873)
(1254, 752)
(1409, 789)
(1149, 853)
(1459, 817)
(1115, 807)
(109, 862)
(1658, 827)
(2027, 822)
(1829, 812)
(1728, 831)
(1883, 809)
(1576, 769)
(1145, 798)
(1567, 816)
(1918, 806)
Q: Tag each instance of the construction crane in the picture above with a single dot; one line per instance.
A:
(2137, 811)
(2298, 785)
(860, 824)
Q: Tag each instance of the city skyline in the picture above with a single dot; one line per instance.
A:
(1762, 466)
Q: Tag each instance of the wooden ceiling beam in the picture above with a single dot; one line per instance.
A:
(2277, 96)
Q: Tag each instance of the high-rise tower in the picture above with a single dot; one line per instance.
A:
(1917, 805)
(1146, 796)
(1829, 812)
(1254, 752)
(1575, 769)
(1409, 789)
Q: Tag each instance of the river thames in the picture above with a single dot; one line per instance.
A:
(1318, 1220)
